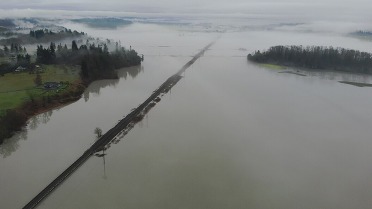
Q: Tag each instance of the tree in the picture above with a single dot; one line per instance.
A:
(46, 56)
(32, 33)
(98, 132)
(59, 48)
(28, 58)
(20, 58)
(84, 69)
(105, 49)
(52, 50)
(38, 81)
(74, 46)
(37, 34)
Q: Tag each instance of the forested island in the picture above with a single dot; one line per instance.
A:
(316, 57)
(46, 88)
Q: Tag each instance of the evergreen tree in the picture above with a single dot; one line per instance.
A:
(28, 59)
(38, 81)
(74, 46)
(52, 51)
(84, 69)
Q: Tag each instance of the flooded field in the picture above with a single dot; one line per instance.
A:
(230, 134)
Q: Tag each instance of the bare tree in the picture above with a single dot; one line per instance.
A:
(98, 132)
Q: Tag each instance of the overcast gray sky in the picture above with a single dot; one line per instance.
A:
(330, 8)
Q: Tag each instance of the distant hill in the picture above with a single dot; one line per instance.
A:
(3, 29)
(6, 23)
(103, 22)
(362, 33)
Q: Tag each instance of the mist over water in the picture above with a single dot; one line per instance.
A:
(230, 134)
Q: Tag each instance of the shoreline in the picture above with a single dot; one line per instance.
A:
(53, 107)
(278, 66)
(30, 109)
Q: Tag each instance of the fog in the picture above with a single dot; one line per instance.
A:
(312, 10)
(300, 16)
(292, 16)
(327, 16)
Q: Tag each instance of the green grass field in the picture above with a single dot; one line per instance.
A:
(16, 88)
(273, 67)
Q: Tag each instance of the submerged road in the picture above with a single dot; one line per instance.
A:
(100, 144)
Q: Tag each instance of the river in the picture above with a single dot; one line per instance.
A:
(230, 134)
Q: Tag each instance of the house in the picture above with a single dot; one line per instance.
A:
(38, 69)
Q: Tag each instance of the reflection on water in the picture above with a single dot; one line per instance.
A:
(12, 144)
(330, 75)
(40, 119)
(341, 76)
(104, 167)
(131, 71)
(95, 87)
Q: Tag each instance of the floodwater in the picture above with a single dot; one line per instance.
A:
(230, 134)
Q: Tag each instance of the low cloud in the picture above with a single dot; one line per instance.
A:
(316, 10)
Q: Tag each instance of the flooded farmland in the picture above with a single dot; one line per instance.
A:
(230, 134)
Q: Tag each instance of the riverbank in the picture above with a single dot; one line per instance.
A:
(27, 90)
(12, 120)
(25, 94)
(18, 105)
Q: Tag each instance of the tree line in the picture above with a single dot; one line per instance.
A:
(362, 33)
(95, 60)
(316, 57)
(42, 32)
(14, 48)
